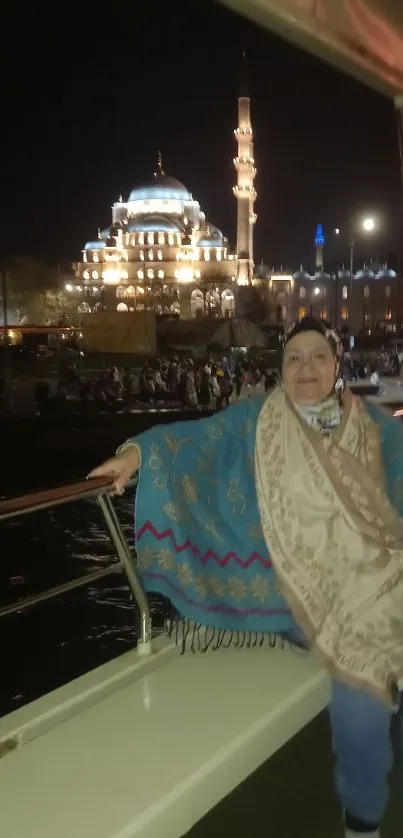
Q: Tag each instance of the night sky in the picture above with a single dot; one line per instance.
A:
(88, 99)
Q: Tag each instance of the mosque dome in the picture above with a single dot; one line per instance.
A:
(94, 245)
(321, 276)
(365, 273)
(386, 273)
(301, 275)
(343, 273)
(155, 223)
(160, 187)
(210, 237)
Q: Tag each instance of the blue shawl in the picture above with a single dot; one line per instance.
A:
(198, 537)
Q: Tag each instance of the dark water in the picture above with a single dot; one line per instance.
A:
(51, 643)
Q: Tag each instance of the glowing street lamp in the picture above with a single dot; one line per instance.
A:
(368, 225)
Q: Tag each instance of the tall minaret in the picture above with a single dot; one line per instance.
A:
(244, 191)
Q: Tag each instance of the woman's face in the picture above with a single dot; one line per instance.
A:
(309, 368)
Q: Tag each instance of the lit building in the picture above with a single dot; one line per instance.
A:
(159, 253)
(367, 302)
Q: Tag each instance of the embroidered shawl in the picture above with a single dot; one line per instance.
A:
(198, 536)
(335, 539)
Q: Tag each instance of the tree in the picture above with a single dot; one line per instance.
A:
(55, 307)
(35, 293)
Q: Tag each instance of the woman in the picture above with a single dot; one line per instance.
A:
(281, 515)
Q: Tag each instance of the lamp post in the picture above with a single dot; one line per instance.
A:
(367, 225)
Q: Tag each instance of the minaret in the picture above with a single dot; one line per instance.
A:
(244, 191)
(319, 246)
(160, 171)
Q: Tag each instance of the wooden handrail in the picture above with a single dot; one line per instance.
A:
(35, 501)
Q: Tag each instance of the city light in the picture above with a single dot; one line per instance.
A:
(368, 225)
(69, 287)
(317, 291)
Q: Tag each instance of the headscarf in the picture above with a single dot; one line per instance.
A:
(325, 415)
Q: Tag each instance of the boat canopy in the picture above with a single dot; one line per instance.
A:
(363, 38)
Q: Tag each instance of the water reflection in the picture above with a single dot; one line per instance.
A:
(61, 639)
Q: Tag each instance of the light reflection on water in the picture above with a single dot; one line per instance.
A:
(65, 637)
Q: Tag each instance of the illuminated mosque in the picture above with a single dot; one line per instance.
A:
(161, 252)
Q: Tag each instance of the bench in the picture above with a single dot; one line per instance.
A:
(145, 746)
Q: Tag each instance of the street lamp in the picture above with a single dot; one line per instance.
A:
(368, 224)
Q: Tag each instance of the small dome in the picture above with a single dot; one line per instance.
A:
(95, 245)
(343, 273)
(321, 276)
(301, 275)
(386, 273)
(365, 273)
(160, 187)
(154, 223)
(210, 237)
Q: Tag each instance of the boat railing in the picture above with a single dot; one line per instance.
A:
(99, 489)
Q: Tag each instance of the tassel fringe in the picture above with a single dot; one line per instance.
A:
(190, 636)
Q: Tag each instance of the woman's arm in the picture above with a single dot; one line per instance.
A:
(127, 460)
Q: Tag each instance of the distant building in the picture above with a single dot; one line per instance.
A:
(369, 302)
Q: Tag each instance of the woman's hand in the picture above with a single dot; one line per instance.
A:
(121, 468)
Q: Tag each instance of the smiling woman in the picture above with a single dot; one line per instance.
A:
(269, 521)
(310, 363)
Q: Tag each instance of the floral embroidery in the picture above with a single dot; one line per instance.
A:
(166, 558)
(185, 574)
(237, 588)
(260, 587)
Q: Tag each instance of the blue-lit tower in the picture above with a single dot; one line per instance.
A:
(319, 247)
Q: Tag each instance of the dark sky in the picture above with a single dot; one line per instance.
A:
(88, 99)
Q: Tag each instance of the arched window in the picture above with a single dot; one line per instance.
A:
(388, 291)
(140, 274)
(150, 273)
(160, 274)
(95, 275)
(159, 255)
(227, 303)
(302, 293)
(121, 307)
(344, 292)
(86, 275)
(366, 292)
(151, 255)
(120, 292)
(130, 292)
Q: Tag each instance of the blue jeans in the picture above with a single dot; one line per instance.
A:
(363, 750)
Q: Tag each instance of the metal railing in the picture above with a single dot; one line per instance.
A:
(99, 489)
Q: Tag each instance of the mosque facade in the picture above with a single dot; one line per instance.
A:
(159, 253)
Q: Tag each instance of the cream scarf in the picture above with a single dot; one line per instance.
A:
(334, 539)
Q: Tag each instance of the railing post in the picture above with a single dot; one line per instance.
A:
(125, 556)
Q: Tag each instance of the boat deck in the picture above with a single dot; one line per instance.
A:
(291, 795)
(145, 747)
